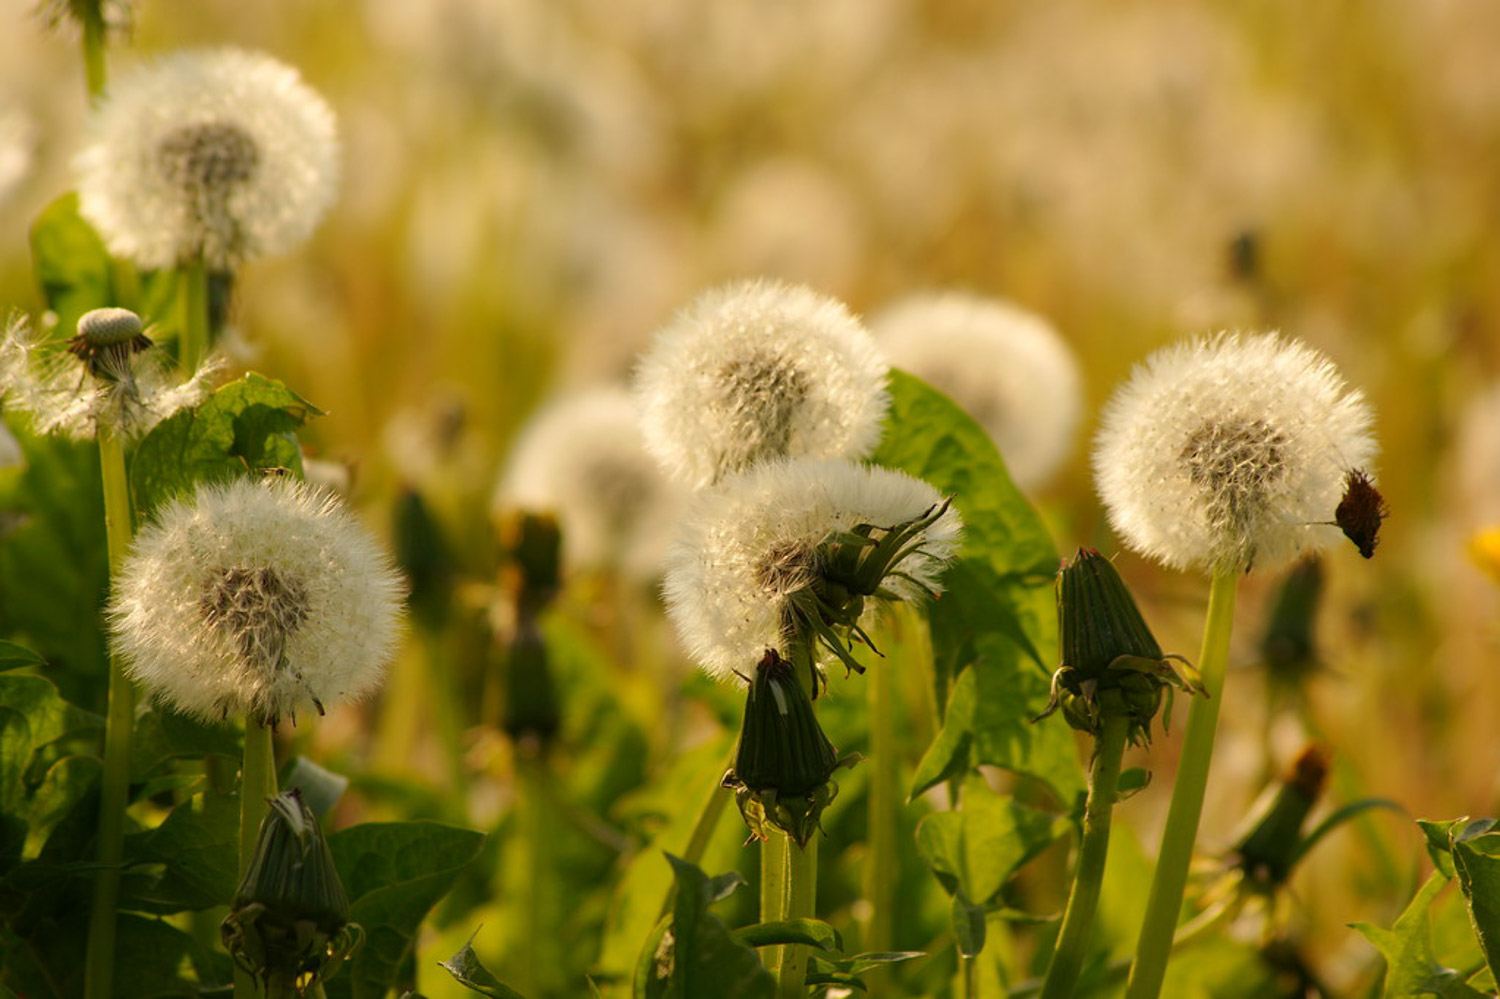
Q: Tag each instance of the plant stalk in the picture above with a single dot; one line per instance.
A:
(93, 52)
(773, 891)
(801, 903)
(193, 292)
(1164, 904)
(257, 786)
(1093, 849)
(882, 866)
(114, 782)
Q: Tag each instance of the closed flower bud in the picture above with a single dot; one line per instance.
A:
(424, 558)
(784, 761)
(1110, 660)
(289, 922)
(1275, 841)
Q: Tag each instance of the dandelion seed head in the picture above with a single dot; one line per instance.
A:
(756, 370)
(1230, 452)
(1006, 367)
(212, 156)
(258, 598)
(581, 458)
(744, 545)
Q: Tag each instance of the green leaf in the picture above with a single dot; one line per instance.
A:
(1439, 841)
(246, 426)
(466, 969)
(813, 932)
(190, 861)
(71, 264)
(973, 851)
(707, 959)
(69, 784)
(969, 930)
(1412, 969)
(989, 721)
(162, 736)
(13, 656)
(394, 873)
(321, 788)
(1476, 859)
(32, 716)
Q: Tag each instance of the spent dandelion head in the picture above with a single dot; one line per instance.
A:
(757, 370)
(208, 156)
(1006, 367)
(786, 555)
(1230, 451)
(255, 598)
(108, 375)
(582, 459)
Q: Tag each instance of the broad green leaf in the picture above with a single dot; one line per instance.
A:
(975, 849)
(394, 873)
(989, 721)
(707, 959)
(813, 932)
(1439, 839)
(190, 861)
(69, 783)
(243, 428)
(32, 715)
(969, 929)
(822, 970)
(1412, 969)
(162, 736)
(71, 264)
(1476, 859)
(53, 568)
(13, 656)
(468, 971)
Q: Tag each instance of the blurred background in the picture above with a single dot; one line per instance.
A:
(532, 187)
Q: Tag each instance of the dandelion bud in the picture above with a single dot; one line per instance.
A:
(531, 704)
(105, 340)
(1110, 660)
(1289, 647)
(784, 761)
(289, 923)
(1275, 841)
(424, 558)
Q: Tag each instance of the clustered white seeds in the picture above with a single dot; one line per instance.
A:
(758, 370)
(256, 598)
(1006, 367)
(208, 156)
(747, 543)
(127, 391)
(1230, 451)
(582, 459)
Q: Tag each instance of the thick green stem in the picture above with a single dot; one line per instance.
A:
(1165, 902)
(801, 903)
(1093, 848)
(93, 54)
(447, 716)
(114, 786)
(532, 777)
(193, 294)
(257, 787)
(882, 865)
(772, 891)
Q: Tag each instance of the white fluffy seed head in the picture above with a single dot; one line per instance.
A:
(128, 392)
(1006, 367)
(1230, 451)
(745, 544)
(756, 370)
(582, 459)
(211, 156)
(257, 598)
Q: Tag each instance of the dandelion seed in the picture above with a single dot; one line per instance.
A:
(107, 376)
(1230, 451)
(254, 598)
(582, 459)
(1006, 367)
(757, 370)
(209, 156)
(799, 545)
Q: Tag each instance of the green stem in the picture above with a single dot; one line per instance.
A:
(93, 53)
(446, 715)
(114, 786)
(193, 294)
(882, 866)
(1165, 902)
(772, 891)
(1093, 848)
(801, 903)
(531, 771)
(257, 785)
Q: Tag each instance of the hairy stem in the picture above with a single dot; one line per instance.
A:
(1165, 901)
(801, 903)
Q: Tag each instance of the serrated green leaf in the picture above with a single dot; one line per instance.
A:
(190, 861)
(162, 736)
(13, 656)
(32, 715)
(69, 784)
(71, 264)
(707, 959)
(1438, 838)
(974, 850)
(1476, 860)
(813, 932)
(470, 972)
(394, 873)
(1412, 968)
(243, 428)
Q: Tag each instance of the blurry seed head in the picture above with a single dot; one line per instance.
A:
(1230, 451)
(108, 375)
(746, 547)
(756, 370)
(213, 156)
(581, 458)
(1006, 367)
(255, 598)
